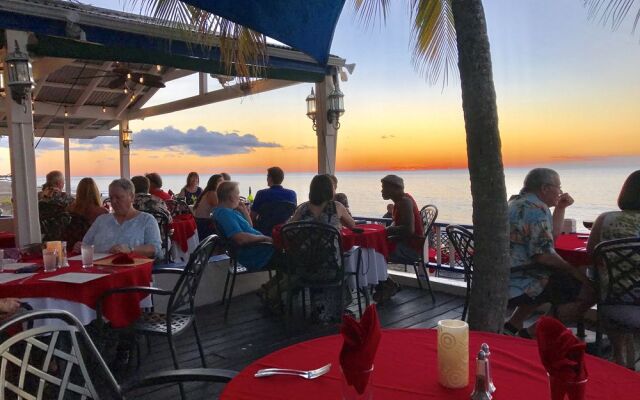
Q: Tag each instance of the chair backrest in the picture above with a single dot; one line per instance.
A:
(163, 225)
(54, 360)
(428, 213)
(618, 271)
(272, 214)
(185, 290)
(462, 240)
(313, 252)
(177, 206)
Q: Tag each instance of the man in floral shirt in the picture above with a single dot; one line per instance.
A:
(538, 274)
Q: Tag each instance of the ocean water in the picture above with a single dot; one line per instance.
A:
(595, 189)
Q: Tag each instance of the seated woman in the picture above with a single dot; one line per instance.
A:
(127, 229)
(191, 192)
(203, 207)
(618, 225)
(84, 210)
(321, 207)
(233, 221)
(87, 203)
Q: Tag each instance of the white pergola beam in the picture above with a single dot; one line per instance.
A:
(216, 96)
(55, 110)
(58, 133)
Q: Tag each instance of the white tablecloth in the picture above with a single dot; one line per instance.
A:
(372, 270)
(180, 256)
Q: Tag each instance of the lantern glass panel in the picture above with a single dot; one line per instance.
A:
(311, 106)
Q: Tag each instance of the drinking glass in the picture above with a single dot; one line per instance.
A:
(86, 251)
(64, 262)
(50, 259)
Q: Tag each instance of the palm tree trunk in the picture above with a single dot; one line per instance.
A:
(491, 257)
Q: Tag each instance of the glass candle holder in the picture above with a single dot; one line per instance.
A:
(453, 353)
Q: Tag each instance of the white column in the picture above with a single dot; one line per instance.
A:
(203, 83)
(125, 169)
(327, 134)
(23, 161)
(67, 160)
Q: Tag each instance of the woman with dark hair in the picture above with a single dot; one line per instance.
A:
(204, 206)
(191, 191)
(321, 206)
(619, 225)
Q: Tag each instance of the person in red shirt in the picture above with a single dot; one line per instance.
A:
(405, 232)
(155, 187)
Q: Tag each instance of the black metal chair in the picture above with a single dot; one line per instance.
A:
(273, 213)
(180, 311)
(313, 257)
(59, 360)
(235, 268)
(166, 232)
(617, 275)
(462, 240)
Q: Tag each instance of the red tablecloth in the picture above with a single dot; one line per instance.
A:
(572, 248)
(406, 368)
(7, 240)
(373, 237)
(120, 309)
(184, 226)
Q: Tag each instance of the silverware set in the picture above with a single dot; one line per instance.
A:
(312, 374)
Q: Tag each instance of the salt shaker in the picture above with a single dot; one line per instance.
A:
(485, 347)
(481, 389)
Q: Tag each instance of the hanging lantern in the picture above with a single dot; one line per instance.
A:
(20, 77)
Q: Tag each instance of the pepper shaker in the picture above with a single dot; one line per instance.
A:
(485, 347)
(481, 389)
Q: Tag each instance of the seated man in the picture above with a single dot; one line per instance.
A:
(538, 274)
(145, 202)
(52, 190)
(233, 221)
(405, 231)
(155, 186)
(275, 193)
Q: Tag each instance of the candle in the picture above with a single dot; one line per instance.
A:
(453, 353)
(56, 245)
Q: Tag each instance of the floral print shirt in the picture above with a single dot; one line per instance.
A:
(530, 234)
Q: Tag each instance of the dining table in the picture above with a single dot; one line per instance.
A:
(572, 247)
(370, 240)
(80, 298)
(406, 368)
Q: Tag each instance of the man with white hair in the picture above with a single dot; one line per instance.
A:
(538, 274)
(53, 189)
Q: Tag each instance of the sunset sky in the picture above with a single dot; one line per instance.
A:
(568, 90)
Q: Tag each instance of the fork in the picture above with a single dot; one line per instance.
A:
(312, 374)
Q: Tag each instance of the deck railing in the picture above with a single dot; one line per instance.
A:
(438, 248)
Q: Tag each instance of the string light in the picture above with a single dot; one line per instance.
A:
(128, 75)
(158, 68)
(104, 109)
(141, 80)
(66, 113)
(126, 90)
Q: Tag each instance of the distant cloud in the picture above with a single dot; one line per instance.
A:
(305, 147)
(198, 141)
(387, 136)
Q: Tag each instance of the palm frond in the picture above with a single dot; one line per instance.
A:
(243, 52)
(369, 11)
(435, 52)
(612, 13)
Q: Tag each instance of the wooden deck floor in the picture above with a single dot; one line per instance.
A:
(250, 333)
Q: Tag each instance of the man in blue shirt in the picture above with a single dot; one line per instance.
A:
(275, 193)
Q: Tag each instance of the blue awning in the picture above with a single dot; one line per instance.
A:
(306, 25)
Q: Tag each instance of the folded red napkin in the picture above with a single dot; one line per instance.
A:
(361, 341)
(122, 258)
(562, 355)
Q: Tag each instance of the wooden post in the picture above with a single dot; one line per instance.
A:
(326, 133)
(125, 168)
(23, 161)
